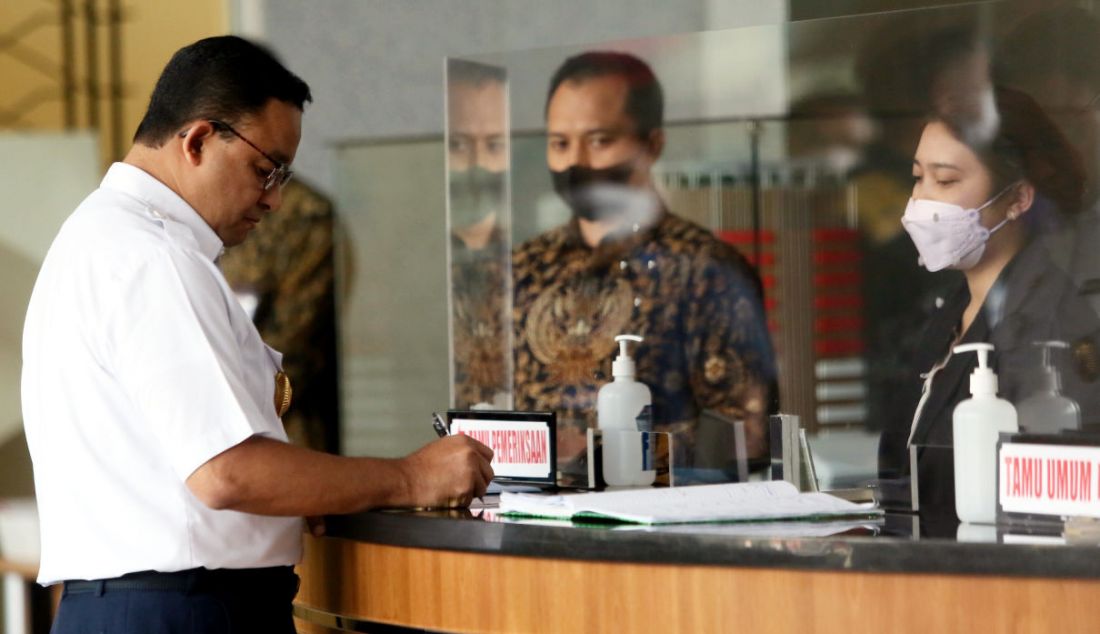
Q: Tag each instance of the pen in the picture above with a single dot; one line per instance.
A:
(440, 428)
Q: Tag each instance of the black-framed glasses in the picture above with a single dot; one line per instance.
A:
(279, 176)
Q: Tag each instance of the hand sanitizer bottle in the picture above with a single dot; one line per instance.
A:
(1046, 410)
(977, 422)
(618, 405)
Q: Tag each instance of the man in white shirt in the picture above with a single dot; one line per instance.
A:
(169, 499)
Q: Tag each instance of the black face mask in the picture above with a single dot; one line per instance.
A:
(575, 186)
(475, 193)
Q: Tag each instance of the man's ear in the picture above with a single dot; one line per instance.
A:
(656, 143)
(1022, 197)
(192, 140)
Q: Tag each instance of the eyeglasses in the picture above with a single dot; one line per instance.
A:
(277, 177)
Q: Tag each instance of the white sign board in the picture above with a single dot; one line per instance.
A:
(1039, 479)
(522, 449)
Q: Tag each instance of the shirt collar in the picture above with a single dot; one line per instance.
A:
(132, 180)
(618, 240)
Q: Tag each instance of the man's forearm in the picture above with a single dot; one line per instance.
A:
(268, 477)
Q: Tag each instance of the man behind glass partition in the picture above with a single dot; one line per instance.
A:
(624, 263)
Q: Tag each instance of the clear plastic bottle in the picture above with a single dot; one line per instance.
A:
(977, 422)
(618, 405)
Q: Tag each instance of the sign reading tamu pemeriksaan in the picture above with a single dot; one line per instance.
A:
(1049, 479)
(522, 442)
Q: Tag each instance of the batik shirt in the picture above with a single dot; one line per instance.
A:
(695, 300)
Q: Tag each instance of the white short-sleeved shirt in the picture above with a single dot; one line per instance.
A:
(139, 365)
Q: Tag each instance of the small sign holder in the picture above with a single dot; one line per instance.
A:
(1044, 479)
(524, 443)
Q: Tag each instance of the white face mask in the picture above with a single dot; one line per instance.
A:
(946, 235)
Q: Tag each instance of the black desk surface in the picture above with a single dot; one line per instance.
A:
(898, 543)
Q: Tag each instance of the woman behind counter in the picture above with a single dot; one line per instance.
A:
(985, 188)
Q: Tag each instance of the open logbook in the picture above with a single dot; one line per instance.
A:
(740, 502)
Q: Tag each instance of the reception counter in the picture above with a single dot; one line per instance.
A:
(470, 571)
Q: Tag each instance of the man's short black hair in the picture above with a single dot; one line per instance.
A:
(223, 78)
(645, 101)
(467, 72)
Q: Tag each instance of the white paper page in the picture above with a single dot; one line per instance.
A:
(537, 505)
(774, 530)
(708, 503)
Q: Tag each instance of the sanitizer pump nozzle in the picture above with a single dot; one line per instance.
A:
(983, 381)
(623, 366)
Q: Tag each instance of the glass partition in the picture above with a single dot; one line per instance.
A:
(764, 257)
(392, 278)
(479, 227)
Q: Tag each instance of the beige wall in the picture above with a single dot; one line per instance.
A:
(42, 42)
(151, 31)
(158, 29)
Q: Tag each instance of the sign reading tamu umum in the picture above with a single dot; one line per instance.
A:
(523, 448)
(1049, 479)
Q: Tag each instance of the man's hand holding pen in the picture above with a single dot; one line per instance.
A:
(450, 472)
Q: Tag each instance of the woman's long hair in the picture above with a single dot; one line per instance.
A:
(1020, 143)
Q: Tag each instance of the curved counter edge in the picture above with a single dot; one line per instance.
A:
(837, 553)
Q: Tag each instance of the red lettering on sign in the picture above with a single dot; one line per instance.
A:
(512, 446)
(1084, 480)
(1057, 477)
(1032, 475)
(1017, 471)
(1069, 480)
(1023, 477)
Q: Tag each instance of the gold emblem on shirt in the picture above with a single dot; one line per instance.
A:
(283, 393)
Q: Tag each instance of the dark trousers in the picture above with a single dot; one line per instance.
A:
(195, 601)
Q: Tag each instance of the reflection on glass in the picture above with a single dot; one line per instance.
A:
(1046, 410)
(477, 178)
(829, 133)
(626, 263)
